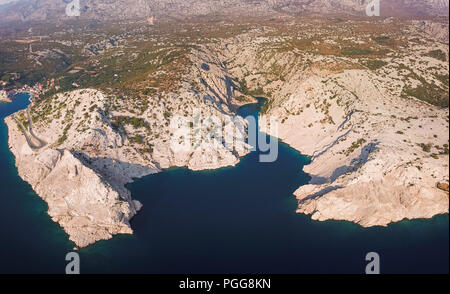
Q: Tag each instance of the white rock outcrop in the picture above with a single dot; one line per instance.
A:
(79, 199)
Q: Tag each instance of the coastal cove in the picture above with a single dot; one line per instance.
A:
(238, 219)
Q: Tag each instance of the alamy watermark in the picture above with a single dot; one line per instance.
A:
(373, 8)
(373, 267)
(216, 134)
(73, 267)
(73, 8)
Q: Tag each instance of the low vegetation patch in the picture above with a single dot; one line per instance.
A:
(437, 54)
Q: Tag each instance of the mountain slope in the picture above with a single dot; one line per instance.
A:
(39, 10)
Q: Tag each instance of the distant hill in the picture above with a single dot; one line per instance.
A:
(54, 10)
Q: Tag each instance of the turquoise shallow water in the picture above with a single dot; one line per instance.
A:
(234, 220)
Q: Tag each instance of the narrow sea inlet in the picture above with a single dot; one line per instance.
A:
(233, 220)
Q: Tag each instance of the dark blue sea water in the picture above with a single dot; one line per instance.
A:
(234, 220)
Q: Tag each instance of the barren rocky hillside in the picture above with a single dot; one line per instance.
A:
(377, 138)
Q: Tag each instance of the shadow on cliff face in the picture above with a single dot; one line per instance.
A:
(217, 104)
(110, 168)
(355, 164)
(227, 97)
(317, 154)
(321, 193)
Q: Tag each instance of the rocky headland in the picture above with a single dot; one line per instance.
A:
(78, 149)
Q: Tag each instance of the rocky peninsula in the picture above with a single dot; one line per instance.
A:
(78, 149)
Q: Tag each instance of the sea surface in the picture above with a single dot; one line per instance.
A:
(233, 220)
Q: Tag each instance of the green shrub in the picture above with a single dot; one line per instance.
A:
(437, 54)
